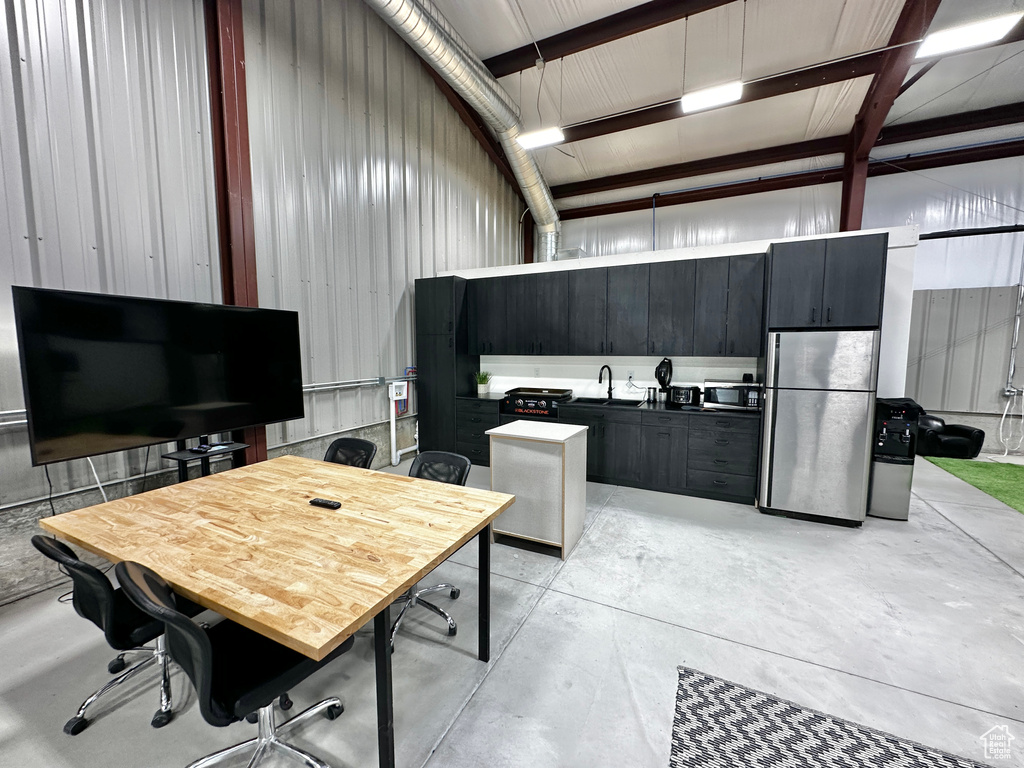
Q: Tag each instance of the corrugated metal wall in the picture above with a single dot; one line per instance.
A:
(364, 180)
(959, 348)
(107, 177)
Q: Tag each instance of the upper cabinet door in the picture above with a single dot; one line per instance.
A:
(795, 284)
(854, 280)
(434, 305)
(670, 317)
(745, 327)
(588, 307)
(551, 321)
(628, 293)
(486, 300)
(711, 305)
(519, 311)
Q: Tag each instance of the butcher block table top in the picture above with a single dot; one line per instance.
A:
(247, 544)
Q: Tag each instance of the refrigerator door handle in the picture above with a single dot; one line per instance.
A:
(771, 364)
(767, 449)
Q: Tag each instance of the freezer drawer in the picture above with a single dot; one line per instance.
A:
(846, 360)
(817, 452)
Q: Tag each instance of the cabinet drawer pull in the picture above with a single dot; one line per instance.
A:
(665, 419)
(721, 423)
(721, 461)
(721, 482)
(814, 312)
(652, 346)
(476, 420)
(611, 347)
(664, 434)
(721, 442)
(828, 315)
(719, 347)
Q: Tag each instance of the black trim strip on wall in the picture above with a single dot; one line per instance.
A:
(975, 232)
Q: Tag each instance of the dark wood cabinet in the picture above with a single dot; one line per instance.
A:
(711, 305)
(444, 366)
(550, 302)
(588, 310)
(613, 442)
(486, 301)
(670, 309)
(744, 321)
(663, 453)
(473, 417)
(835, 283)
(797, 276)
(854, 281)
(628, 290)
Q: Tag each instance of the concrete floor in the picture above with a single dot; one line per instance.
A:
(916, 628)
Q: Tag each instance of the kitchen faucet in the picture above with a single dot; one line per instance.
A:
(600, 378)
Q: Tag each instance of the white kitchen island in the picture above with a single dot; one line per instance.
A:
(545, 466)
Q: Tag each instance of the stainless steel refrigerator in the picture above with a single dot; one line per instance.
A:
(819, 414)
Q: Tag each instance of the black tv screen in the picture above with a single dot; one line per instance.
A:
(109, 373)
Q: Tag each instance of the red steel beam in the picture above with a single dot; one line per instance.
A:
(232, 172)
(997, 151)
(913, 23)
(785, 152)
(777, 85)
(975, 120)
(618, 25)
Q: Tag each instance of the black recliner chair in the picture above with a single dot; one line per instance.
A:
(351, 451)
(952, 441)
(237, 673)
(125, 627)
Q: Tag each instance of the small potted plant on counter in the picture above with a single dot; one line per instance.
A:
(483, 382)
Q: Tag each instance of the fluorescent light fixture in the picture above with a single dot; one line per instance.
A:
(541, 138)
(968, 35)
(712, 97)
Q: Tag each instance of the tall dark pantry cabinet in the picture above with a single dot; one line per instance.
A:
(442, 354)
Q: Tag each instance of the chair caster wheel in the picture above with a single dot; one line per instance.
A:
(284, 702)
(252, 717)
(117, 665)
(452, 631)
(75, 726)
(334, 711)
(455, 593)
(161, 718)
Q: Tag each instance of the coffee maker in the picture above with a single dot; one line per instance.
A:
(663, 373)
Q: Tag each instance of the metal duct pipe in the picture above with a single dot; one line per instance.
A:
(423, 27)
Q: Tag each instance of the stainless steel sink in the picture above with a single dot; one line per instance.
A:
(605, 401)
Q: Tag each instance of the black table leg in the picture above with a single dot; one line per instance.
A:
(385, 694)
(182, 465)
(484, 540)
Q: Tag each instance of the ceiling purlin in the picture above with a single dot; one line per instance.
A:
(912, 25)
(976, 120)
(998, 151)
(618, 25)
(850, 68)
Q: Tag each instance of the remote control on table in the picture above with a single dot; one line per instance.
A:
(326, 503)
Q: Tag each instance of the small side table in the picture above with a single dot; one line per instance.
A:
(545, 466)
(184, 456)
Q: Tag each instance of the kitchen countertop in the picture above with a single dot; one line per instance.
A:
(662, 407)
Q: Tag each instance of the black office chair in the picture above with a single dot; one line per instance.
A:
(443, 467)
(237, 673)
(351, 451)
(953, 441)
(126, 628)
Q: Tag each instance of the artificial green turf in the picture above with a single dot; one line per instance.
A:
(1002, 481)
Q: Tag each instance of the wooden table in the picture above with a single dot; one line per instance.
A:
(247, 544)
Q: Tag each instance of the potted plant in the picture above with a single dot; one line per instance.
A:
(483, 382)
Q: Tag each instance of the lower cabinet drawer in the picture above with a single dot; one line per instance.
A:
(736, 446)
(738, 462)
(475, 452)
(473, 433)
(718, 482)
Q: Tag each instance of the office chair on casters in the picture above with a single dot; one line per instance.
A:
(126, 628)
(443, 467)
(351, 451)
(236, 672)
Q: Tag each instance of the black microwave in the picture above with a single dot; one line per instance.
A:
(735, 395)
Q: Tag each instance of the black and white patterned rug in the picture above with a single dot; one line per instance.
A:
(719, 724)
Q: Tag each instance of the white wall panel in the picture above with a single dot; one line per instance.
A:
(364, 179)
(107, 177)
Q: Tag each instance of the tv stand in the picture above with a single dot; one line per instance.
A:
(183, 456)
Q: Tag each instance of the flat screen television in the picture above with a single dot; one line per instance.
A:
(110, 373)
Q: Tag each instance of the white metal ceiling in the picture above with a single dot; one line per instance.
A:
(743, 39)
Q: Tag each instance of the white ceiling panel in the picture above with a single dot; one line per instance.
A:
(977, 80)
(813, 113)
(953, 13)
